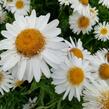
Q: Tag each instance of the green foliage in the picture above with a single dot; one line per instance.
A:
(44, 90)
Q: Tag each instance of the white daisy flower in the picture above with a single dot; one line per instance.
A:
(96, 96)
(101, 31)
(2, 15)
(30, 104)
(65, 2)
(81, 6)
(71, 77)
(79, 23)
(5, 81)
(104, 3)
(100, 65)
(31, 43)
(94, 14)
(76, 49)
(21, 7)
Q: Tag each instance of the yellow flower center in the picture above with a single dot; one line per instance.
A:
(19, 4)
(1, 77)
(18, 83)
(83, 22)
(104, 31)
(84, 2)
(104, 71)
(77, 52)
(104, 100)
(75, 75)
(30, 42)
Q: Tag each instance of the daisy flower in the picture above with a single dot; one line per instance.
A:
(5, 81)
(31, 43)
(2, 15)
(21, 7)
(96, 96)
(81, 6)
(79, 23)
(66, 2)
(71, 77)
(76, 49)
(104, 3)
(101, 31)
(30, 104)
(100, 65)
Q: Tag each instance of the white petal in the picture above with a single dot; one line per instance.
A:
(52, 56)
(45, 69)
(71, 94)
(60, 88)
(21, 70)
(56, 45)
(11, 29)
(73, 44)
(6, 44)
(32, 19)
(77, 94)
(66, 93)
(11, 62)
(50, 63)
(36, 68)
(53, 24)
(28, 73)
(52, 33)
(7, 34)
(42, 21)
(21, 21)
(45, 21)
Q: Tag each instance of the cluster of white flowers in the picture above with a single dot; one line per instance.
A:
(84, 17)
(32, 44)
